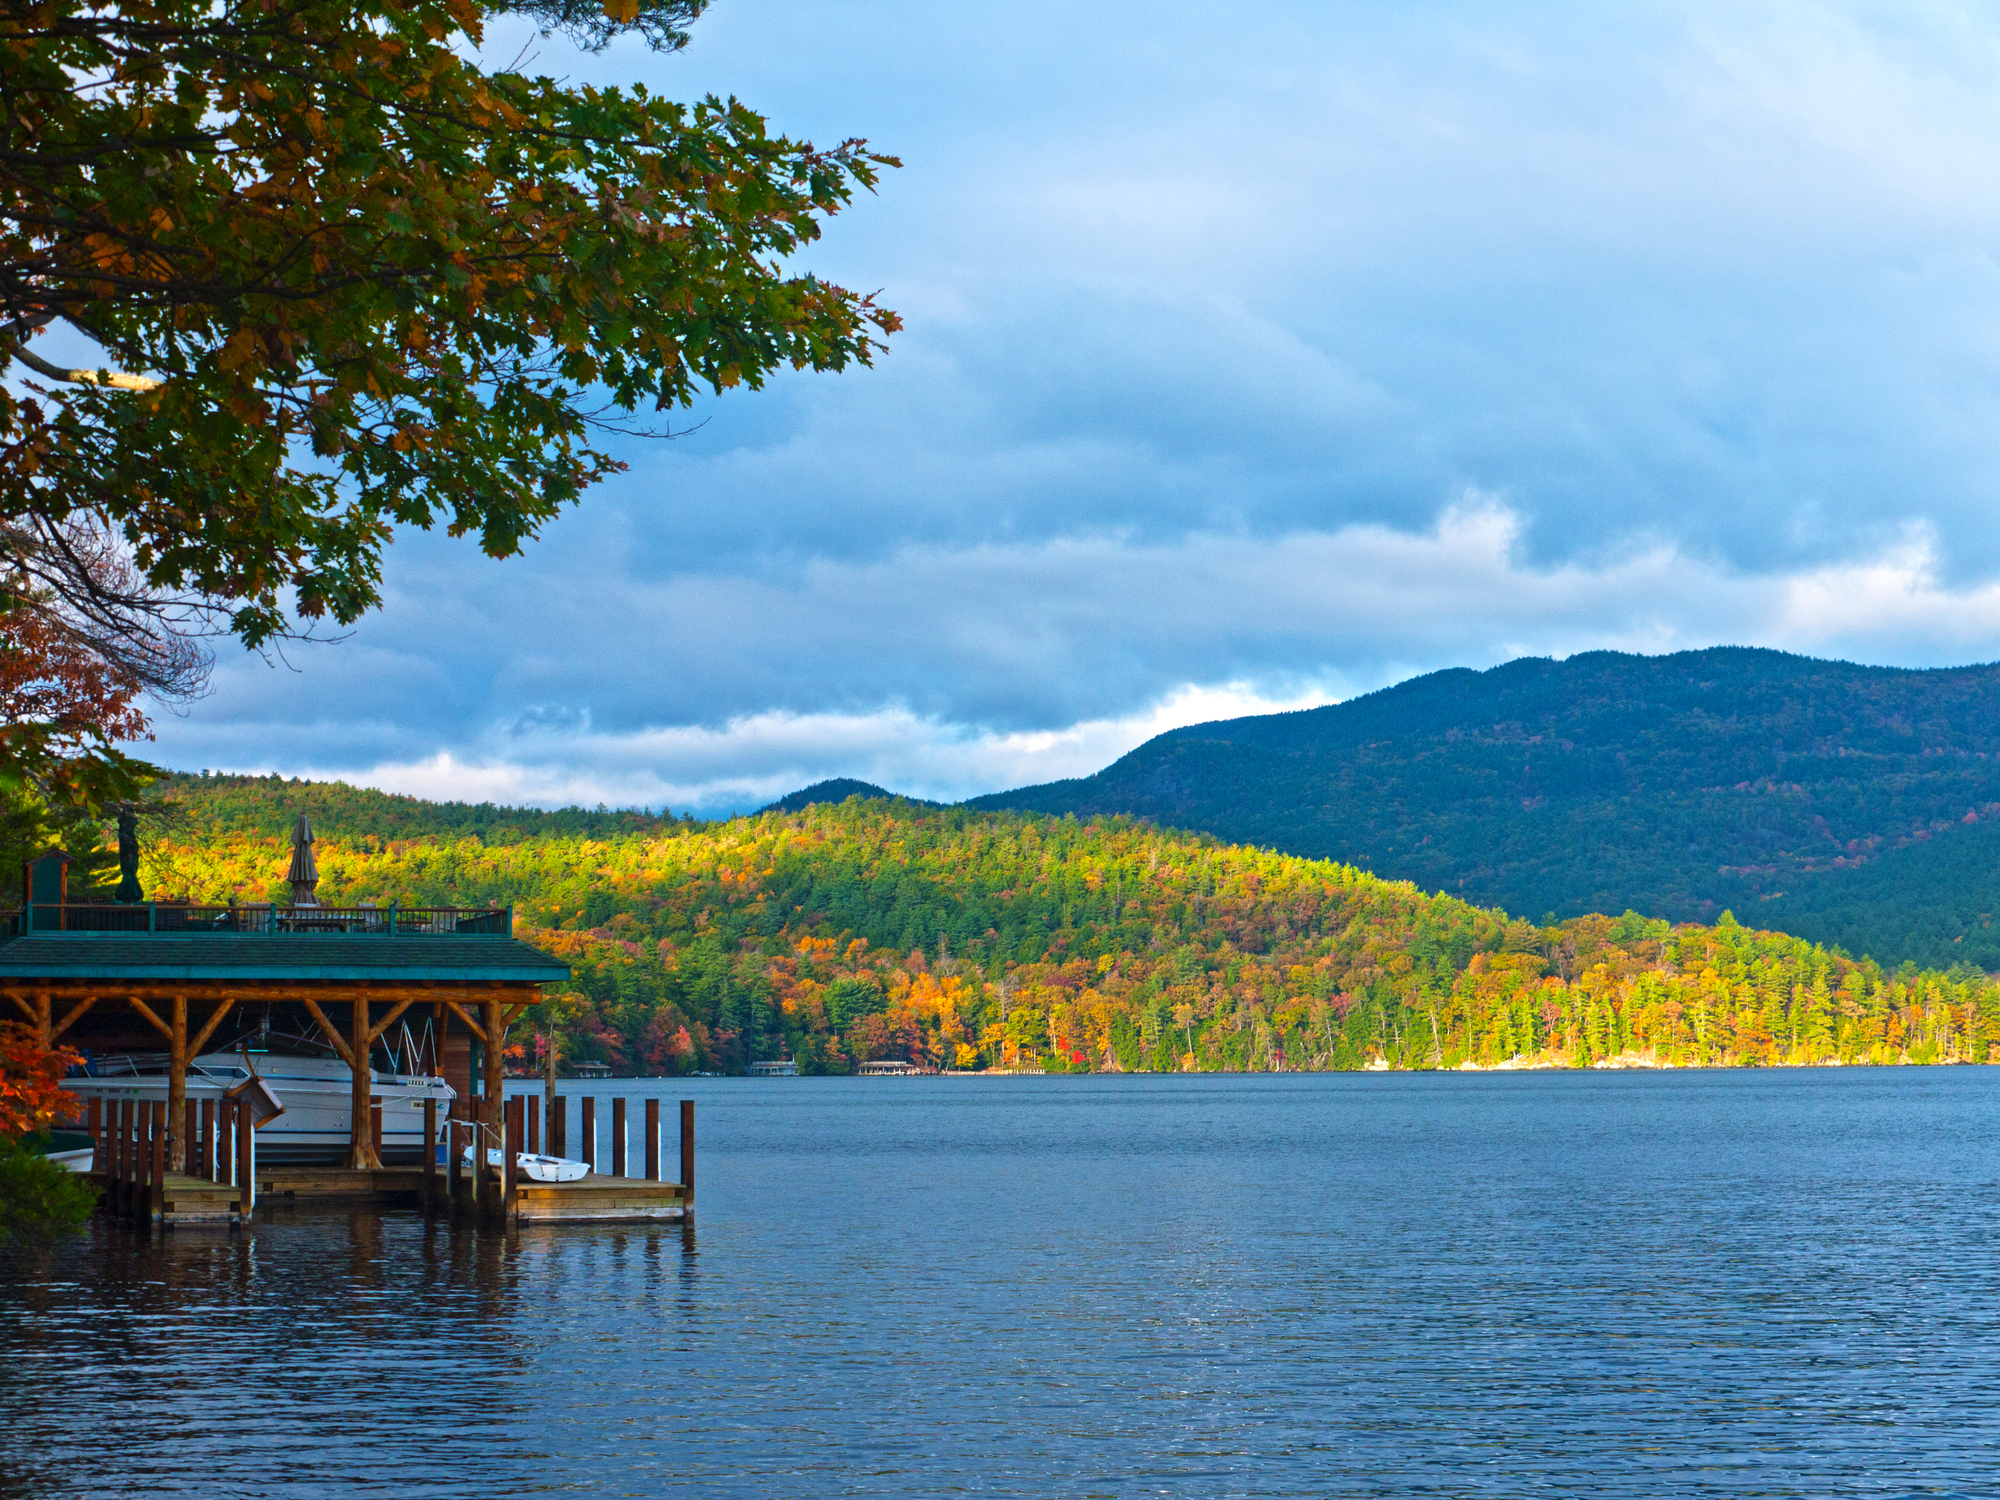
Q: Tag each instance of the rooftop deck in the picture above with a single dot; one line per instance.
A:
(166, 942)
(183, 920)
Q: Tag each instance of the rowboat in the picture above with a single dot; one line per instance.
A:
(536, 1168)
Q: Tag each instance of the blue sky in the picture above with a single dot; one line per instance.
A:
(1256, 357)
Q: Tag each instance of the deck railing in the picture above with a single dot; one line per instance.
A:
(318, 921)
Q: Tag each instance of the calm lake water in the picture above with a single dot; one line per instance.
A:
(1749, 1283)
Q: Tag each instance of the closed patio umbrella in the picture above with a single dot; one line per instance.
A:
(304, 874)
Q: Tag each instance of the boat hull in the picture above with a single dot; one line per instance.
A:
(317, 1093)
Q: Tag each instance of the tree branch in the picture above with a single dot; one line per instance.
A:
(113, 378)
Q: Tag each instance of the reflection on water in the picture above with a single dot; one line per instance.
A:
(1745, 1284)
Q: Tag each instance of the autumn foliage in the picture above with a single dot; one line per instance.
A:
(880, 929)
(30, 1097)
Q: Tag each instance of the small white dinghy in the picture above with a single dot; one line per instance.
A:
(536, 1168)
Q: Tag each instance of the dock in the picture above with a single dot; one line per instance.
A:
(228, 1184)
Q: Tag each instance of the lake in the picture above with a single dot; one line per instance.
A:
(1686, 1283)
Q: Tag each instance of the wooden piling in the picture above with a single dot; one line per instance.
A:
(687, 1152)
(589, 1123)
(177, 1068)
(534, 1125)
(652, 1140)
(94, 1123)
(451, 1155)
(157, 1177)
(618, 1137)
(190, 1156)
(509, 1149)
(430, 1154)
(246, 1160)
(558, 1126)
(121, 1129)
(375, 1124)
(206, 1141)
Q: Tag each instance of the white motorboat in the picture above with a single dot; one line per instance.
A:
(315, 1128)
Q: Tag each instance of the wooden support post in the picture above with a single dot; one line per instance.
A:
(118, 1109)
(375, 1123)
(94, 1123)
(687, 1152)
(177, 1081)
(207, 1141)
(652, 1140)
(246, 1161)
(190, 1127)
(617, 1137)
(589, 1123)
(156, 1176)
(549, 1090)
(494, 1024)
(451, 1162)
(45, 1020)
(362, 1153)
(220, 1146)
(559, 1127)
(430, 1154)
(511, 1147)
(534, 1147)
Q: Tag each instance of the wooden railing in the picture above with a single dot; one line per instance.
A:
(183, 920)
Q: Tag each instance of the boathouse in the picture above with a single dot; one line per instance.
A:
(181, 978)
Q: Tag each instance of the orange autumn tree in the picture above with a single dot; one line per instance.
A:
(31, 1097)
(38, 1198)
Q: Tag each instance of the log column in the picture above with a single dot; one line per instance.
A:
(492, 1019)
(361, 1153)
(45, 1020)
(177, 1087)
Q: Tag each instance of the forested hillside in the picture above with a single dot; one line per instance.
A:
(965, 939)
(1675, 785)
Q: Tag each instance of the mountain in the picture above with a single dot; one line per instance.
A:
(1837, 801)
(838, 790)
(867, 929)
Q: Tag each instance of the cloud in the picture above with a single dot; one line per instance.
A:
(1279, 354)
(1205, 628)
